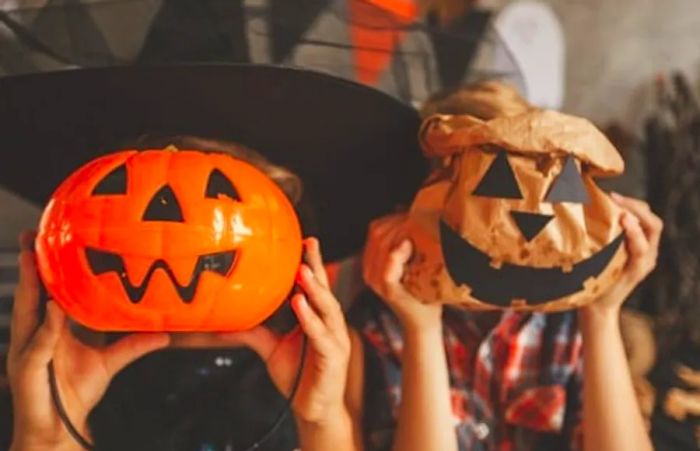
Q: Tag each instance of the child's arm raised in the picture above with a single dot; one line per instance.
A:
(82, 373)
(425, 415)
(611, 416)
(322, 418)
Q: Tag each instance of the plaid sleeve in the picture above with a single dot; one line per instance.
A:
(382, 392)
(573, 417)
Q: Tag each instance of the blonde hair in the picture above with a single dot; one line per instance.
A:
(485, 100)
(287, 180)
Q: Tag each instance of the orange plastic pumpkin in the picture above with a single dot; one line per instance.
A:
(169, 240)
(515, 219)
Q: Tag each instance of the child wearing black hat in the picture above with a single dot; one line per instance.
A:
(83, 373)
(341, 138)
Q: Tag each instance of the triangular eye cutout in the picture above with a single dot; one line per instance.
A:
(112, 183)
(499, 180)
(164, 207)
(218, 185)
(568, 186)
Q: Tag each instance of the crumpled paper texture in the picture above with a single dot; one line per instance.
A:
(537, 144)
(485, 100)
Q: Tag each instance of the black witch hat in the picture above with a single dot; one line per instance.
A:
(354, 147)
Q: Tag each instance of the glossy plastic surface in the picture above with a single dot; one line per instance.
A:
(116, 262)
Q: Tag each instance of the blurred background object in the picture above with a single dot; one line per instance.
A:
(672, 293)
(637, 331)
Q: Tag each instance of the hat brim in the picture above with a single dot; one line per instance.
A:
(354, 147)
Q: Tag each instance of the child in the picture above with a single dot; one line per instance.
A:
(84, 373)
(443, 379)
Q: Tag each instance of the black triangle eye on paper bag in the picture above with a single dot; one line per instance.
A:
(568, 185)
(499, 180)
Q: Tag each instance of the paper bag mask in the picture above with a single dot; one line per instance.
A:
(515, 219)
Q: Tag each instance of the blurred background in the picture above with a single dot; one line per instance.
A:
(631, 66)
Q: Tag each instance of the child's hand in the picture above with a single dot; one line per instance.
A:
(383, 264)
(320, 397)
(643, 233)
(82, 373)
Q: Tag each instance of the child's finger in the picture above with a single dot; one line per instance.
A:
(261, 340)
(382, 277)
(637, 244)
(312, 252)
(390, 237)
(118, 355)
(371, 257)
(396, 265)
(383, 236)
(25, 311)
(382, 225)
(40, 349)
(652, 226)
(381, 241)
(323, 301)
(650, 223)
(629, 203)
(310, 323)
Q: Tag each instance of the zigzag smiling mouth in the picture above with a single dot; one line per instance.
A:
(103, 262)
(469, 266)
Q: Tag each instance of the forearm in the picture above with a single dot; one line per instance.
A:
(22, 444)
(25, 438)
(425, 415)
(611, 416)
(336, 433)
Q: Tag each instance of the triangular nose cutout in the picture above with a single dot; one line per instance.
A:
(530, 224)
(164, 207)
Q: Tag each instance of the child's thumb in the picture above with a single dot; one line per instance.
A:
(403, 251)
(397, 261)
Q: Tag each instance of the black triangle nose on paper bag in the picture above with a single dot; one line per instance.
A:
(530, 224)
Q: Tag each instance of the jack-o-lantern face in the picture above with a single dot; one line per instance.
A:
(169, 240)
(515, 219)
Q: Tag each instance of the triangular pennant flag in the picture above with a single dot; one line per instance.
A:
(456, 44)
(289, 20)
(375, 28)
(214, 31)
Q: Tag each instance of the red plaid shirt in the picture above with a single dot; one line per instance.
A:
(516, 385)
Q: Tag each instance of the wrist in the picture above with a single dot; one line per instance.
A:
(334, 424)
(26, 439)
(21, 444)
(597, 313)
(426, 322)
(421, 331)
(599, 322)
